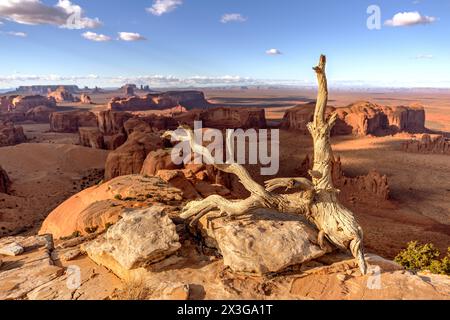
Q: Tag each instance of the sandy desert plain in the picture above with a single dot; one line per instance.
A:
(50, 167)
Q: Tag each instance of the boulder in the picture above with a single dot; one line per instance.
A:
(71, 121)
(95, 208)
(91, 137)
(12, 249)
(140, 238)
(267, 243)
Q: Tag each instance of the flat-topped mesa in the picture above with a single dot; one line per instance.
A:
(160, 101)
(71, 121)
(361, 118)
(225, 118)
(45, 89)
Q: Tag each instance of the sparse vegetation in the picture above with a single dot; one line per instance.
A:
(91, 230)
(417, 257)
(134, 290)
(74, 235)
(118, 197)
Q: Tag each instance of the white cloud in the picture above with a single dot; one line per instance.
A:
(130, 36)
(403, 19)
(424, 56)
(15, 34)
(64, 14)
(233, 17)
(161, 7)
(96, 37)
(274, 52)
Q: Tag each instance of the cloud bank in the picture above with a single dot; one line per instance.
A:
(64, 14)
(406, 19)
(161, 7)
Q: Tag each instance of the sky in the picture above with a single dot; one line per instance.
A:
(179, 43)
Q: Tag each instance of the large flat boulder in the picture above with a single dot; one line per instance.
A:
(140, 238)
(267, 242)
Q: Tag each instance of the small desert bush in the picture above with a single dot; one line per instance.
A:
(417, 257)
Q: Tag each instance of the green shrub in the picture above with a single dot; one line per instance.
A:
(425, 257)
(118, 197)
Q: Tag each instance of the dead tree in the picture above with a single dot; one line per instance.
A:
(317, 199)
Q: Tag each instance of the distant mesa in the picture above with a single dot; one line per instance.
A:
(45, 89)
(71, 121)
(361, 118)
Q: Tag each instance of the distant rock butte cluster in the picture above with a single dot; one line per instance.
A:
(361, 118)
(428, 144)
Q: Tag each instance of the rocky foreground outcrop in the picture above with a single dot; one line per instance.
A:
(266, 255)
(11, 134)
(161, 101)
(361, 118)
(71, 121)
(428, 144)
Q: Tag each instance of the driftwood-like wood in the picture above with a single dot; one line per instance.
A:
(316, 200)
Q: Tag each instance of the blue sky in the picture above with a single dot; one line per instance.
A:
(188, 44)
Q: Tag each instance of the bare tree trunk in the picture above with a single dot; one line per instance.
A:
(318, 199)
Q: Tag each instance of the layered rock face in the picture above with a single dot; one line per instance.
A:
(11, 135)
(129, 157)
(71, 121)
(167, 100)
(225, 118)
(428, 145)
(361, 118)
(62, 95)
(111, 122)
(91, 137)
(5, 183)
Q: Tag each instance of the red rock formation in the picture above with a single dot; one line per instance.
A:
(158, 160)
(369, 188)
(361, 118)
(129, 158)
(25, 103)
(11, 135)
(85, 99)
(225, 118)
(91, 137)
(71, 121)
(111, 122)
(62, 95)
(167, 100)
(129, 89)
(39, 114)
(428, 144)
(114, 141)
(5, 183)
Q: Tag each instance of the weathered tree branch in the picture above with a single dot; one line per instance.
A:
(318, 201)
